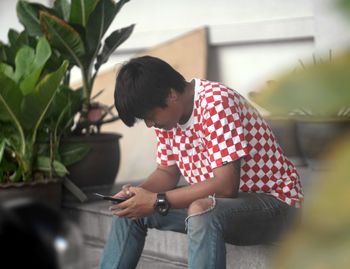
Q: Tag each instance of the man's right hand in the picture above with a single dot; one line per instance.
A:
(125, 192)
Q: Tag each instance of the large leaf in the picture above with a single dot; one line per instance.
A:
(62, 8)
(13, 36)
(36, 104)
(2, 148)
(43, 163)
(99, 21)
(43, 53)
(10, 100)
(29, 65)
(2, 52)
(112, 43)
(17, 41)
(81, 10)
(28, 15)
(24, 62)
(7, 70)
(72, 153)
(63, 37)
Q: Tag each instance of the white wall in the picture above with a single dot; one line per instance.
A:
(250, 41)
(8, 18)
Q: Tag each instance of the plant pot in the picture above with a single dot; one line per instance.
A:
(316, 137)
(285, 131)
(48, 192)
(100, 166)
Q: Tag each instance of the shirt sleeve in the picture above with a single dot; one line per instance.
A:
(165, 155)
(223, 131)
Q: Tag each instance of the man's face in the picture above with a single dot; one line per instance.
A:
(167, 117)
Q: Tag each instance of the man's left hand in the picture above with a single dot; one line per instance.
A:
(141, 204)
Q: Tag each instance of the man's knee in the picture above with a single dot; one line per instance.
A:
(199, 206)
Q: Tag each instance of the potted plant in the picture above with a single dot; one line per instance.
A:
(76, 33)
(27, 89)
(316, 96)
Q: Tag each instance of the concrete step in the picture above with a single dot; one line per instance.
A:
(162, 249)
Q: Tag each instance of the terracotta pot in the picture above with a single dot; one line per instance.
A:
(48, 191)
(100, 167)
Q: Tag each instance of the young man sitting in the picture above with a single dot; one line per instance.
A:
(241, 188)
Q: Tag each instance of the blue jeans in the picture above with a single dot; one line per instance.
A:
(246, 220)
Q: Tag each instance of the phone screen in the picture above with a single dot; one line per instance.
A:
(110, 198)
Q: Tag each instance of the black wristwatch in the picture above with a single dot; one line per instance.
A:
(162, 205)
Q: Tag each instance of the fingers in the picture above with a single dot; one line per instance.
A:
(134, 190)
(126, 190)
(124, 213)
(120, 194)
(129, 208)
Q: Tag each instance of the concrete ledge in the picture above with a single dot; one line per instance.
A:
(162, 248)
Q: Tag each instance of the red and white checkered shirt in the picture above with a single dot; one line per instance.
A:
(223, 128)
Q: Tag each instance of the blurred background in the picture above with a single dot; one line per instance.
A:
(289, 58)
(248, 43)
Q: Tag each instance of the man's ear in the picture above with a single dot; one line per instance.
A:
(173, 95)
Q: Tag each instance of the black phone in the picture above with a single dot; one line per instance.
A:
(110, 198)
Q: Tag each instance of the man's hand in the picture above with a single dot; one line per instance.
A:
(125, 192)
(141, 204)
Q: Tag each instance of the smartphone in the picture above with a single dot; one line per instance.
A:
(110, 198)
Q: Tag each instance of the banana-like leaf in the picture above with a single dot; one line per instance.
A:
(13, 36)
(9, 52)
(35, 105)
(62, 8)
(65, 96)
(28, 84)
(98, 23)
(10, 100)
(7, 70)
(2, 148)
(72, 153)
(2, 52)
(28, 15)
(43, 53)
(24, 62)
(29, 65)
(43, 163)
(81, 10)
(112, 43)
(62, 36)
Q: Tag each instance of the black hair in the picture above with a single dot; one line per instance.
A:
(142, 84)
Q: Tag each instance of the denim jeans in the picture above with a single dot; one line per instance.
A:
(246, 220)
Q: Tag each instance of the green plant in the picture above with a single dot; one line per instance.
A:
(76, 29)
(27, 90)
(318, 90)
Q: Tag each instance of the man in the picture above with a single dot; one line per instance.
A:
(241, 188)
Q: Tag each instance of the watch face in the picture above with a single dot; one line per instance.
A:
(163, 210)
(162, 205)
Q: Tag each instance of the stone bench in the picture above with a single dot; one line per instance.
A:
(163, 249)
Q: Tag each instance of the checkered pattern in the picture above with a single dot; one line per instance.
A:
(224, 128)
